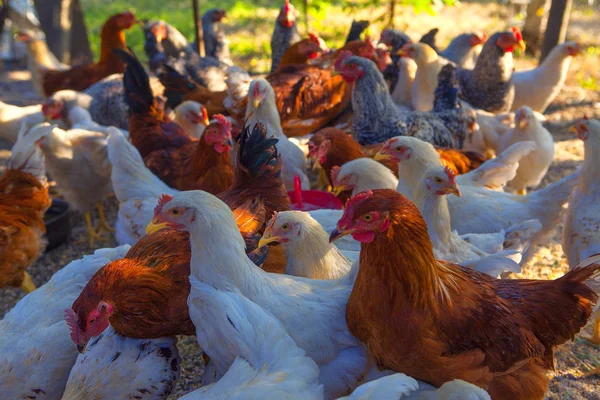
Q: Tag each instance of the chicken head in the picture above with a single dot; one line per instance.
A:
(349, 71)
(287, 15)
(53, 109)
(125, 20)
(581, 129)
(393, 151)
(342, 182)
(218, 134)
(441, 181)
(282, 228)
(508, 41)
(89, 321)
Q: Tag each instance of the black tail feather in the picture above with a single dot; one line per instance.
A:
(138, 93)
(356, 29)
(257, 153)
(176, 85)
(429, 38)
(446, 92)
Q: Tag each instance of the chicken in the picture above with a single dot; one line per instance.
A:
(192, 117)
(39, 57)
(464, 49)
(117, 367)
(262, 108)
(429, 66)
(356, 30)
(581, 236)
(462, 322)
(461, 161)
(309, 254)
(361, 174)
(376, 118)
(80, 78)
(285, 33)
(77, 160)
(312, 311)
(23, 203)
(255, 354)
(203, 165)
(406, 70)
(13, 117)
(538, 87)
(504, 247)
(489, 84)
(479, 209)
(215, 43)
(36, 353)
(173, 41)
(150, 128)
(303, 51)
(532, 167)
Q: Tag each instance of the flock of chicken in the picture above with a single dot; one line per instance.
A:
(431, 150)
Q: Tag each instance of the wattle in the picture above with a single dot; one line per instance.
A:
(364, 237)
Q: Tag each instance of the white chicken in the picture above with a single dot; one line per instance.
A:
(36, 352)
(429, 65)
(402, 91)
(537, 87)
(262, 108)
(501, 251)
(192, 117)
(532, 167)
(118, 367)
(312, 311)
(309, 253)
(362, 174)
(12, 117)
(252, 350)
(581, 234)
(479, 209)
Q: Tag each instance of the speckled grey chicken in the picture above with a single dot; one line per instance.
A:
(489, 85)
(376, 118)
(206, 71)
(464, 49)
(284, 35)
(215, 43)
(174, 42)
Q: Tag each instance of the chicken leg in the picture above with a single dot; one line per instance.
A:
(27, 285)
(103, 223)
(595, 338)
(91, 231)
(522, 192)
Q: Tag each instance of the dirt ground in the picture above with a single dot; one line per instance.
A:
(573, 359)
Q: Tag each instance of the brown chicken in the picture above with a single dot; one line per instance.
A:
(202, 165)
(437, 321)
(145, 294)
(23, 202)
(150, 128)
(80, 78)
(303, 51)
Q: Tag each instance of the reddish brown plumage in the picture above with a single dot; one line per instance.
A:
(194, 166)
(437, 321)
(80, 78)
(23, 202)
(461, 161)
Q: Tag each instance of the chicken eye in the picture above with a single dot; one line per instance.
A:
(438, 180)
(175, 212)
(399, 148)
(285, 226)
(92, 321)
(367, 217)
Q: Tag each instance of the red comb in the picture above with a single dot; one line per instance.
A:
(272, 221)
(450, 173)
(344, 55)
(164, 199)
(312, 36)
(255, 90)
(585, 118)
(350, 209)
(517, 33)
(223, 121)
(335, 172)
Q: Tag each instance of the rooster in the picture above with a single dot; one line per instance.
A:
(376, 118)
(285, 33)
(461, 322)
(80, 78)
(23, 203)
(489, 84)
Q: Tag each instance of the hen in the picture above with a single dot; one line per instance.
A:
(215, 43)
(203, 165)
(538, 87)
(462, 322)
(581, 234)
(309, 254)
(36, 353)
(532, 167)
(489, 84)
(80, 78)
(361, 174)
(376, 118)
(312, 311)
(303, 51)
(13, 117)
(23, 202)
(285, 33)
(464, 49)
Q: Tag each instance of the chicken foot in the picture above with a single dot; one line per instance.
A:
(27, 285)
(92, 233)
(595, 338)
(103, 224)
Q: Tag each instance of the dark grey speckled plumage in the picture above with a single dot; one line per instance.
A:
(281, 39)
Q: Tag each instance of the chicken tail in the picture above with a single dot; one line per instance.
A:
(446, 92)
(430, 38)
(356, 29)
(138, 93)
(128, 167)
(257, 154)
(176, 85)
(26, 156)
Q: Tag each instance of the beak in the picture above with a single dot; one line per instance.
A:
(574, 130)
(340, 188)
(400, 53)
(336, 234)
(521, 45)
(453, 190)
(206, 121)
(155, 226)
(81, 347)
(266, 240)
(382, 155)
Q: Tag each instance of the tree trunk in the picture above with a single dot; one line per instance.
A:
(390, 24)
(198, 25)
(81, 52)
(532, 30)
(556, 30)
(305, 12)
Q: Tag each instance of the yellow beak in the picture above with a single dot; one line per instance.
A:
(340, 188)
(573, 129)
(453, 190)
(155, 227)
(265, 240)
(336, 234)
(400, 53)
(521, 45)
(382, 155)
